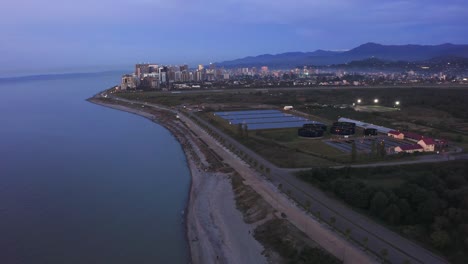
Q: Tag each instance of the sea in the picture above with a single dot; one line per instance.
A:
(82, 183)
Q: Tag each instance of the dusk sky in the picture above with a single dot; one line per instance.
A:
(91, 35)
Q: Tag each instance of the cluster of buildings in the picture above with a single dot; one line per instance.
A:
(156, 76)
(421, 143)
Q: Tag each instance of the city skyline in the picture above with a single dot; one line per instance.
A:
(86, 36)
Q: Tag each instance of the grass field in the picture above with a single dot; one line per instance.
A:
(375, 108)
(280, 146)
(439, 113)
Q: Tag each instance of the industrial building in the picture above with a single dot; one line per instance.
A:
(370, 132)
(364, 125)
(343, 128)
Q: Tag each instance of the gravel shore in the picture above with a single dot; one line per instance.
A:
(216, 230)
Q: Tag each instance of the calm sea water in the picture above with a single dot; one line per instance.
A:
(80, 183)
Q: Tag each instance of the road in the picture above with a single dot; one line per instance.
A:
(314, 88)
(380, 240)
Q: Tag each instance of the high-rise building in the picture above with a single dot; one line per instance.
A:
(178, 76)
(153, 68)
(163, 78)
(200, 67)
(183, 68)
(185, 76)
(141, 69)
(129, 81)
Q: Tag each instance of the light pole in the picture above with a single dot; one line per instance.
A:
(376, 101)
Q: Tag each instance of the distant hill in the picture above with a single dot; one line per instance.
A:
(450, 64)
(368, 50)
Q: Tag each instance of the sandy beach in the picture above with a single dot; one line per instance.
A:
(216, 230)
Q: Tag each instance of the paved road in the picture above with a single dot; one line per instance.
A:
(380, 240)
(296, 88)
(422, 159)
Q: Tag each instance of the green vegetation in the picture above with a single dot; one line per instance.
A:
(437, 112)
(290, 151)
(277, 234)
(425, 202)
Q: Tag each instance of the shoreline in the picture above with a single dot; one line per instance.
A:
(210, 236)
(257, 203)
(185, 151)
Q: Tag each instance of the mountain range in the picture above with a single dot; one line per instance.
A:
(365, 51)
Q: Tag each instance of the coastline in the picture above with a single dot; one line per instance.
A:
(269, 222)
(212, 237)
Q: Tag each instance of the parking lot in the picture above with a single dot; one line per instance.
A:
(364, 144)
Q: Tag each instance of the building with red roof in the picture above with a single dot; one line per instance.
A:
(427, 143)
(396, 134)
(413, 136)
(409, 148)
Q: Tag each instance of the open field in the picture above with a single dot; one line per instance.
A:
(435, 112)
(374, 108)
(283, 147)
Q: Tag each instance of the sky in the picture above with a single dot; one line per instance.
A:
(43, 36)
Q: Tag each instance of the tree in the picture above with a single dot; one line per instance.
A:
(382, 149)
(392, 214)
(428, 209)
(406, 212)
(384, 254)
(353, 192)
(348, 233)
(378, 203)
(246, 131)
(373, 149)
(353, 152)
(308, 204)
(440, 239)
(365, 242)
(240, 130)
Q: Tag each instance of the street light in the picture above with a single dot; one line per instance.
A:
(397, 103)
(376, 101)
(359, 101)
